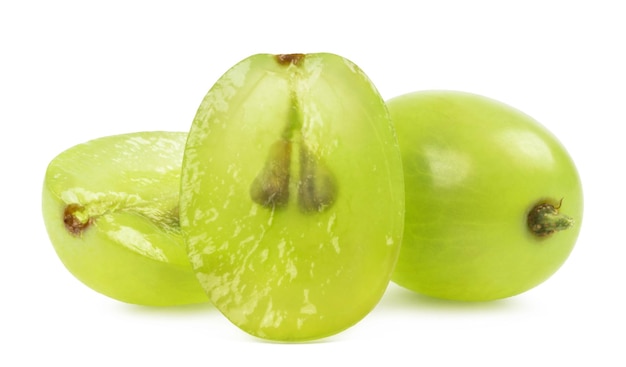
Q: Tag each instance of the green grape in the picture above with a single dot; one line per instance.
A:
(493, 201)
(292, 195)
(110, 207)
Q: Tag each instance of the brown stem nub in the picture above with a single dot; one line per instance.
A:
(287, 59)
(72, 222)
(544, 219)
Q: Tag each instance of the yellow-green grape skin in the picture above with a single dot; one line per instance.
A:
(494, 202)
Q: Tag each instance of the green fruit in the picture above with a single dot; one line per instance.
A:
(110, 207)
(292, 195)
(493, 201)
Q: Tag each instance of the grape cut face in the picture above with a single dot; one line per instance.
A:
(110, 207)
(292, 195)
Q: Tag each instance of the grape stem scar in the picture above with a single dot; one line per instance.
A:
(544, 219)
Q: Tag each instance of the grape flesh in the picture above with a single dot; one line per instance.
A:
(292, 195)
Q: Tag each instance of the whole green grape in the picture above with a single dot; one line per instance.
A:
(493, 201)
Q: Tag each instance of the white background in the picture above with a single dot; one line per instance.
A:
(73, 71)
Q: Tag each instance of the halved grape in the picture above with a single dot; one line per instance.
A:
(292, 195)
(110, 207)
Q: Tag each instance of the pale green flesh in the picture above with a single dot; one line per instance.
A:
(473, 170)
(128, 185)
(283, 273)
